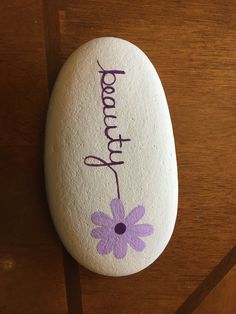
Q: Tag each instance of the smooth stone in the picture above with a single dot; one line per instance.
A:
(110, 161)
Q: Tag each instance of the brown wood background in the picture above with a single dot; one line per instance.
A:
(193, 46)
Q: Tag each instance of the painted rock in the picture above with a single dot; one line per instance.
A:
(110, 161)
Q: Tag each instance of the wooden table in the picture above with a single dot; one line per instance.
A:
(193, 46)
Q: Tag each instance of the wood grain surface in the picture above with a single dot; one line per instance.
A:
(192, 44)
(222, 298)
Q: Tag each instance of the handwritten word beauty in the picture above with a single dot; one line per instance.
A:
(107, 84)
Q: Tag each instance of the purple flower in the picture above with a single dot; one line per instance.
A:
(116, 233)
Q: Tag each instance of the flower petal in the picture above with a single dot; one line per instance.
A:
(105, 245)
(137, 244)
(120, 247)
(135, 215)
(101, 219)
(142, 230)
(100, 232)
(117, 209)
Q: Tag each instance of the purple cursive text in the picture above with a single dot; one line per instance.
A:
(107, 81)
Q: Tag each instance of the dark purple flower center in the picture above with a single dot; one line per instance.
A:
(120, 228)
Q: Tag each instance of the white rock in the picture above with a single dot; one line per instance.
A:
(109, 142)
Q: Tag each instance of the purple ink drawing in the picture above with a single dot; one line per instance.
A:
(116, 233)
(107, 81)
